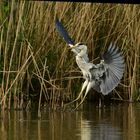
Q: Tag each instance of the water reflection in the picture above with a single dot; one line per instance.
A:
(114, 122)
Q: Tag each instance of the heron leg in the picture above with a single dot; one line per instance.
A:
(89, 86)
(80, 94)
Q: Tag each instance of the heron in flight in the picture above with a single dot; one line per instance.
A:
(102, 77)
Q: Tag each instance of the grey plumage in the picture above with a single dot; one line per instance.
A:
(107, 74)
(110, 71)
(62, 31)
(102, 77)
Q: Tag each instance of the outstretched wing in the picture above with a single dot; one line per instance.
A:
(62, 31)
(109, 71)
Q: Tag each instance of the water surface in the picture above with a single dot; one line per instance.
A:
(113, 122)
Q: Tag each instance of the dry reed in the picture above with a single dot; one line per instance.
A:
(36, 66)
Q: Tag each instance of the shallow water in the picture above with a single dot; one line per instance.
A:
(114, 122)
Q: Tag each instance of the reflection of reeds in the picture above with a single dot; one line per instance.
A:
(35, 62)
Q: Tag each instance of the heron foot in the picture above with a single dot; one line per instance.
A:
(72, 102)
(79, 96)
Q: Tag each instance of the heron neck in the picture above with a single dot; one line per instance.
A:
(82, 57)
(82, 53)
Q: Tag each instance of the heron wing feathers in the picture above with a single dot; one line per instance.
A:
(62, 31)
(109, 73)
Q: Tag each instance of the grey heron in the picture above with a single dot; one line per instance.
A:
(102, 77)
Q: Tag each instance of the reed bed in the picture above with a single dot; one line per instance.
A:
(37, 69)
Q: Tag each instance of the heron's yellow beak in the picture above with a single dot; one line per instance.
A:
(72, 46)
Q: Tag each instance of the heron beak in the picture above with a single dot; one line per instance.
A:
(72, 46)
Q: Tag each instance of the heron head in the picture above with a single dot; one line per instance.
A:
(79, 46)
